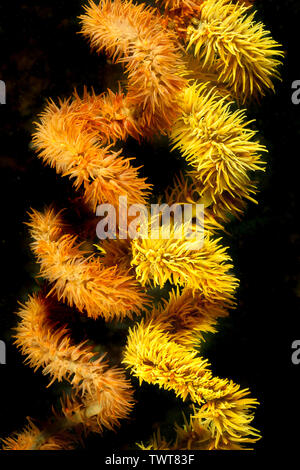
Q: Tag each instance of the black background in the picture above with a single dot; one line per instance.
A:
(42, 56)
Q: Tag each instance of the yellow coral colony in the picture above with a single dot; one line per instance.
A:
(188, 65)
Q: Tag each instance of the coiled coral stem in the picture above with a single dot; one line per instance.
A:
(154, 357)
(206, 269)
(220, 145)
(186, 316)
(135, 35)
(68, 139)
(109, 292)
(64, 430)
(50, 348)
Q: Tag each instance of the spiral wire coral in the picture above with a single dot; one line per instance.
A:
(193, 101)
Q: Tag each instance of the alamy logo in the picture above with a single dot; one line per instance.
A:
(2, 352)
(2, 92)
(157, 221)
(296, 354)
(296, 94)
